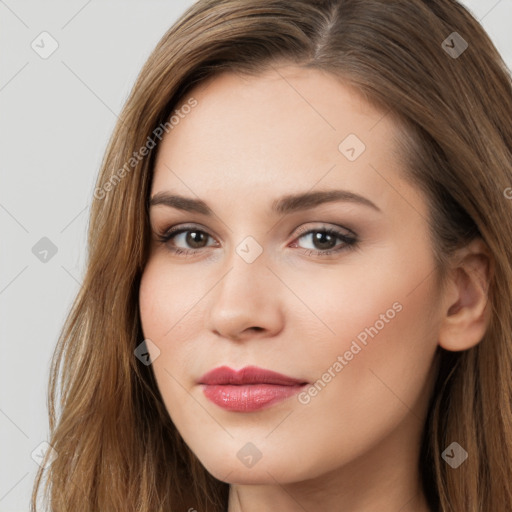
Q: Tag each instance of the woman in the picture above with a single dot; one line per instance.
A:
(298, 288)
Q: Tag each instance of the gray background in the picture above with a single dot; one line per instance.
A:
(56, 117)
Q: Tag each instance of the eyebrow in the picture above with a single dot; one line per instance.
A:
(283, 205)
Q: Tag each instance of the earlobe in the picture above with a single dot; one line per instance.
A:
(466, 309)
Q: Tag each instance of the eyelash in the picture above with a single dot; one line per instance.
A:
(349, 241)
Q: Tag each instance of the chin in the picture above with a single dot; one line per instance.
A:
(266, 470)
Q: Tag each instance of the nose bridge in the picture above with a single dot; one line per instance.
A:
(244, 297)
(245, 271)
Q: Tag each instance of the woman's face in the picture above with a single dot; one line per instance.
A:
(300, 250)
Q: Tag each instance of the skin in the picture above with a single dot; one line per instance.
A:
(354, 446)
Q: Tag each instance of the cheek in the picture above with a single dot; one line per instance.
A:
(169, 318)
(377, 368)
(167, 300)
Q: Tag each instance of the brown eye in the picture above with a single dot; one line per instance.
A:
(186, 239)
(325, 241)
(196, 239)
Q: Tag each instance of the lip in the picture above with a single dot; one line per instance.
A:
(248, 389)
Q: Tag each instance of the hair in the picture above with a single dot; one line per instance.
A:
(117, 446)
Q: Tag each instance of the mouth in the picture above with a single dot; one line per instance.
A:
(248, 389)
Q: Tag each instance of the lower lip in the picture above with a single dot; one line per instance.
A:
(250, 397)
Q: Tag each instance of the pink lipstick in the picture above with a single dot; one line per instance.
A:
(248, 389)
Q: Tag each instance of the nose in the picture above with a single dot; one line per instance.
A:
(246, 303)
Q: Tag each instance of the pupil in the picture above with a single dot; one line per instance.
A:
(323, 240)
(194, 239)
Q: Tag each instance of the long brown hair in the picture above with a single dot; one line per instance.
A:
(117, 447)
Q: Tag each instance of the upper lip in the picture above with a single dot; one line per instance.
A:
(224, 375)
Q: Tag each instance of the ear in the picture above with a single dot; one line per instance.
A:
(466, 312)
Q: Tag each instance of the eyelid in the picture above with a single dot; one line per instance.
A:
(301, 230)
(168, 234)
(180, 228)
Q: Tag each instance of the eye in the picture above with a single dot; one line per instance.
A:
(321, 241)
(324, 241)
(186, 239)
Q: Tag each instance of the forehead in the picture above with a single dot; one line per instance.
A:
(287, 129)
